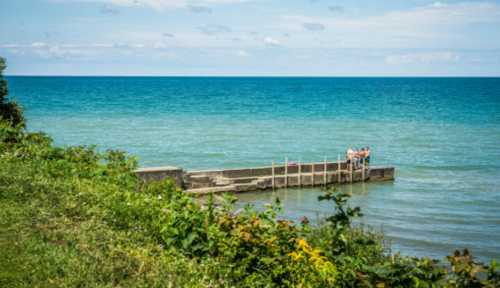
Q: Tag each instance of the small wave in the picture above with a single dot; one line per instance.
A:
(214, 154)
(457, 167)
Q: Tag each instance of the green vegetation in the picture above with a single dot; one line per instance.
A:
(73, 217)
(9, 111)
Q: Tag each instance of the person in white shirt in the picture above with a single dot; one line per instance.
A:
(350, 155)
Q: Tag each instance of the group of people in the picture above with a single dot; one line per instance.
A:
(358, 156)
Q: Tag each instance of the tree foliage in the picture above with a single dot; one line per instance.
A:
(9, 110)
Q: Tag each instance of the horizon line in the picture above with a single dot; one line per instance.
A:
(258, 76)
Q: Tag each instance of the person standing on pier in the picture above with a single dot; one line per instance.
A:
(360, 157)
(367, 155)
(350, 155)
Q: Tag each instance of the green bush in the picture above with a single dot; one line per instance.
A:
(9, 111)
(77, 216)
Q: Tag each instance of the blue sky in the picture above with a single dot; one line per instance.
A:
(250, 37)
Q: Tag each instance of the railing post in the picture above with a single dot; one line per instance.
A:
(324, 172)
(339, 171)
(363, 171)
(312, 173)
(272, 179)
(350, 170)
(300, 175)
(286, 172)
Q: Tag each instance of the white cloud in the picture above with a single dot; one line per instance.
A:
(437, 26)
(10, 46)
(159, 45)
(313, 26)
(336, 9)
(102, 45)
(423, 58)
(160, 4)
(59, 52)
(38, 44)
(242, 53)
(214, 29)
(155, 4)
(107, 9)
(81, 51)
(438, 4)
(199, 9)
(271, 41)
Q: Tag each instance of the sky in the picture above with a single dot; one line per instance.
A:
(251, 37)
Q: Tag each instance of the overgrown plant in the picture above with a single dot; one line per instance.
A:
(340, 222)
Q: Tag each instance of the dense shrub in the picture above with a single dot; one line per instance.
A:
(9, 110)
(75, 216)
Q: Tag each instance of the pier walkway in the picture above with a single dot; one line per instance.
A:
(270, 177)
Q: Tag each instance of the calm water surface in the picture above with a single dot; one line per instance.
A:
(442, 134)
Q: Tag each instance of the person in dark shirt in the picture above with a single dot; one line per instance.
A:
(367, 155)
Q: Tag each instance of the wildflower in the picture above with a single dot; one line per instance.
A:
(295, 256)
(302, 243)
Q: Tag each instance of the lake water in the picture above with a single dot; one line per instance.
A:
(441, 134)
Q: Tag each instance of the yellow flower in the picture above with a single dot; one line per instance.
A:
(295, 256)
(302, 243)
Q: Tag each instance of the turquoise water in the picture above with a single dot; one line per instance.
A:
(442, 135)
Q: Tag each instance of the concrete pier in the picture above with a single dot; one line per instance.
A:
(262, 178)
(160, 173)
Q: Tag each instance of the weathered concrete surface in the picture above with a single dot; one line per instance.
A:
(159, 173)
(261, 178)
(382, 173)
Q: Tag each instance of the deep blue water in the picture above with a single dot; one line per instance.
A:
(442, 135)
